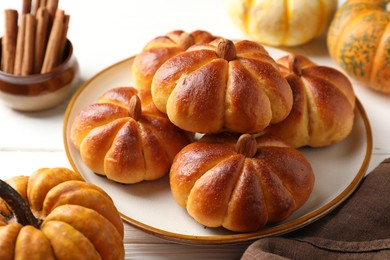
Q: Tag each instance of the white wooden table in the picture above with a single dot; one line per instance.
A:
(104, 32)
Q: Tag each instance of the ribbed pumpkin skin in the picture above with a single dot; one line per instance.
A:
(79, 220)
(282, 22)
(359, 41)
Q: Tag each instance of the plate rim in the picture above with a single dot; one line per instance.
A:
(236, 238)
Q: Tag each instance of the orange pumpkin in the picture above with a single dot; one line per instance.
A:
(359, 41)
(54, 214)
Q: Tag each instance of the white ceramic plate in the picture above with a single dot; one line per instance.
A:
(150, 206)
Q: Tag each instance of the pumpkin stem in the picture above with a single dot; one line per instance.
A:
(226, 50)
(185, 41)
(135, 109)
(294, 65)
(246, 145)
(20, 207)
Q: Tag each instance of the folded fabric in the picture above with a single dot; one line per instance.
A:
(358, 229)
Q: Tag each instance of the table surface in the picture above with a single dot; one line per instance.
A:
(105, 32)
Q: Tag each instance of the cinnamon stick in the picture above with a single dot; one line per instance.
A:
(52, 6)
(63, 39)
(9, 40)
(41, 37)
(20, 46)
(26, 7)
(43, 3)
(37, 4)
(38, 45)
(29, 41)
(54, 43)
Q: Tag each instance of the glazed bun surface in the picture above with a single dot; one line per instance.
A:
(324, 103)
(219, 185)
(222, 86)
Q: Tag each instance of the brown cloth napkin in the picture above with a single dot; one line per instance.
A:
(358, 229)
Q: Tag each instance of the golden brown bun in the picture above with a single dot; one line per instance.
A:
(324, 103)
(220, 185)
(122, 95)
(160, 49)
(222, 86)
(124, 143)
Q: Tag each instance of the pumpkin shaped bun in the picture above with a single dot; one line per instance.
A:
(222, 86)
(241, 184)
(124, 141)
(55, 214)
(324, 103)
(160, 49)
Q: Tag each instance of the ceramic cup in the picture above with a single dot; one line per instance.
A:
(41, 91)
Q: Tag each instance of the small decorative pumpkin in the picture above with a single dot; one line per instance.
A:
(240, 185)
(282, 22)
(222, 86)
(359, 41)
(160, 49)
(122, 140)
(324, 103)
(55, 214)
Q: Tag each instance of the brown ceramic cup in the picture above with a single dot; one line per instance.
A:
(41, 91)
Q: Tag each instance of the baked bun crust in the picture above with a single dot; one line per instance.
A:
(125, 141)
(160, 49)
(222, 86)
(223, 185)
(324, 103)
